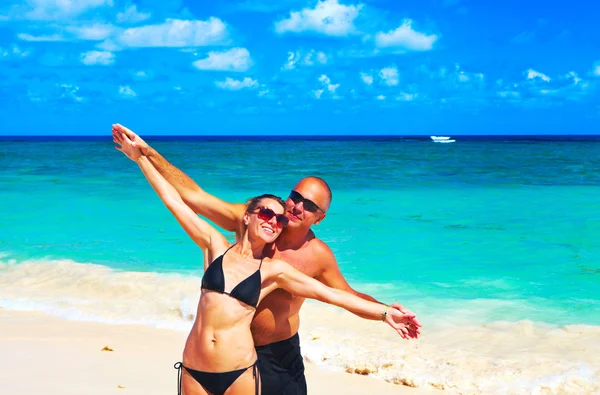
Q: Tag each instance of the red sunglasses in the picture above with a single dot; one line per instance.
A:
(266, 214)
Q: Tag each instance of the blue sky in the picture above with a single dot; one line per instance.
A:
(299, 67)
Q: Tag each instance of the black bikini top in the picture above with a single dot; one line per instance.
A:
(247, 291)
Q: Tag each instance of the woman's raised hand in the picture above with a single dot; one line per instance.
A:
(126, 146)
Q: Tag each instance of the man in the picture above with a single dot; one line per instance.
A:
(276, 322)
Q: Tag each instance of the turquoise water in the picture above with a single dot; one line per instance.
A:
(477, 230)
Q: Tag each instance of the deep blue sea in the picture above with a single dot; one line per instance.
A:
(485, 229)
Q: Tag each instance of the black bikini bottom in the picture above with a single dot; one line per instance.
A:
(216, 383)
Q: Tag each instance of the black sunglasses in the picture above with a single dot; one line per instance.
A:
(266, 214)
(308, 204)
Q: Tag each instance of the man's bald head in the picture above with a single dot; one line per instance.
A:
(321, 190)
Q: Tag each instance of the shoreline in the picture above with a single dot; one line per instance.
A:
(51, 355)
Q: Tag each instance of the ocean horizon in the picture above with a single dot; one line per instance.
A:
(315, 137)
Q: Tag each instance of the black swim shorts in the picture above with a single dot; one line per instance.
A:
(282, 368)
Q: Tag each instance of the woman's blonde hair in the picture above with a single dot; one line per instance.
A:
(254, 203)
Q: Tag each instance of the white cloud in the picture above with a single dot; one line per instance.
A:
(458, 78)
(103, 58)
(464, 76)
(13, 52)
(54, 10)
(405, 38)
(235, 59)
(29, 37)
(95, 32)
(236, 85)
(315, 57)
(141, 75)
(176, 33)
(126, 91)
(92, 32)
(108, 45)
(380, 97)
(321, 58)
(132, 15)
(309, 59)
(509, 94)
(327, 84)
(573, 76)
(406, 96)
(367, 78)
(70, 91)
(596, 70)
(292, 59)
(540, 89)
(318, 93)
(452, 81)
(532, 74)
(324, 79)
(263, 92)
(389, 75)
(328, 17)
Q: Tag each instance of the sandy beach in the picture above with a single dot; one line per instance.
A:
(42, 354)
(47, 354)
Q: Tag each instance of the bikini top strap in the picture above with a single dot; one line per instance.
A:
(233, 245)
(261, 259)
(259, 266)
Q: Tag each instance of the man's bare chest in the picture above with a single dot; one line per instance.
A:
(301, 260)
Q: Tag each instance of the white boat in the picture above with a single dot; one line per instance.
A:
(442, 139)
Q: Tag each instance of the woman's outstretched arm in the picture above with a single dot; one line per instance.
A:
(297, 283)
(199, 230)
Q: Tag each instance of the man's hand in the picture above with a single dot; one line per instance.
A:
(126, 146)
(120, 130)
(413, 324)
(405, 324)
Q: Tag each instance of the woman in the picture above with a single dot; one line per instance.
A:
(219, 355)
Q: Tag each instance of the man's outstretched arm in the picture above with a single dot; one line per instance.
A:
(226, 215)
(332, 276)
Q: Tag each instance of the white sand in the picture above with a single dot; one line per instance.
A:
(41, 354)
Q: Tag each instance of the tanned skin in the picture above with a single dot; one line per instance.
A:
(277, 316)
